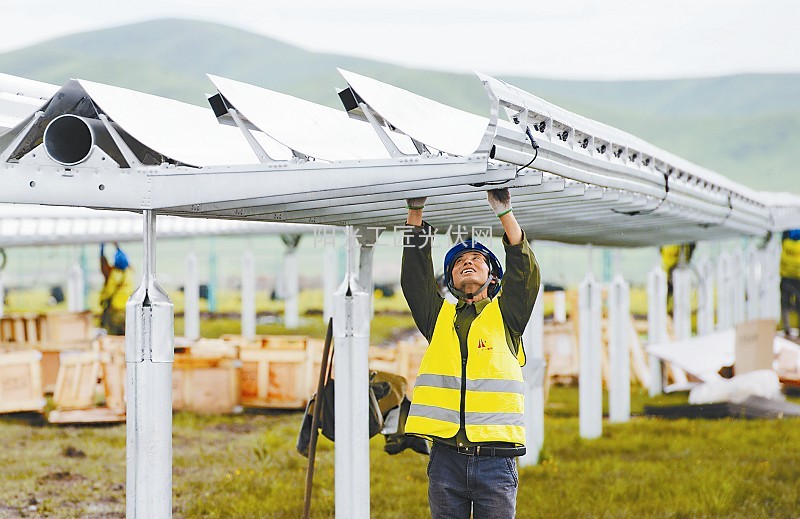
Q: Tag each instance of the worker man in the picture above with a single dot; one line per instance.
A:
(117, 288)
(790, 277)
(468, 398)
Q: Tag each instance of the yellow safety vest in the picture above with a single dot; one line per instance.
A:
(117, 289)
(493, 389)
(790, 259)
(670, 254)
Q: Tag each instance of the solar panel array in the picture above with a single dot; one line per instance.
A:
(263, 155)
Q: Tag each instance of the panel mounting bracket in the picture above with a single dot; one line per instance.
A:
(127, 154)
(388, 143)
(263, 156)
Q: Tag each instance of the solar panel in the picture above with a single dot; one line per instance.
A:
(311, 129)
(432, 123)
(586, 183)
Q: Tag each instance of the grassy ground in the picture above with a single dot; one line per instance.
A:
(246, 466)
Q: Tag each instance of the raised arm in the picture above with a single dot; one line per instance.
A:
(417, 278)
(522, 277)
(500, 200)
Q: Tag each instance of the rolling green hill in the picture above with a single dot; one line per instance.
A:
(746, 127)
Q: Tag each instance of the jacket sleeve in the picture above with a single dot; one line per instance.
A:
(520, 285)
(418, 281)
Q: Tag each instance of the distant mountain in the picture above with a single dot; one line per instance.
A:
(746, 127)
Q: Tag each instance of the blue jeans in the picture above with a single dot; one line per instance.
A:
(460, 484)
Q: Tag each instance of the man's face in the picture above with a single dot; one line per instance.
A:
(470, 268)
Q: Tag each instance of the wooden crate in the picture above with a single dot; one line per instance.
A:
(77, 396)
(21, 382)
(211, 348)
(65, 327)
(32, 332)
(384, 359)
(284, 342)
(85, 416)
(314, 350)
(275, 342)
(275, 378)
(113, 372)
(242, 343)
(205, 384)
(12, 328)
(19, 328)
(561, 351)
(77, 382)
(409, 357)
(51, 360)
(50, 365)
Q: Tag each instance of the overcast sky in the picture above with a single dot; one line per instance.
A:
(577, 39)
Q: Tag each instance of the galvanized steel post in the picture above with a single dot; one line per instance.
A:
(705, 298)
(619, 317)
(351, 325)
(771, 309)
(533, 374)
(753, 280)
(75, 289)
(737, 274)
(291, 309)
(212, 276)
(724, 292)
(248, 295)
(191, 299)
(559, 306)
(330, 271)
(590, 382)
(149, 345)
(682, 302)
(656, 324)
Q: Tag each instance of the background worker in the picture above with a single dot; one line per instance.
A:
(790, 277)
(468, 398)
(117, 288)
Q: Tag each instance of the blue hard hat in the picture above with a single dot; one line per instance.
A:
(495, 270)
(120, 260)
(794, 234)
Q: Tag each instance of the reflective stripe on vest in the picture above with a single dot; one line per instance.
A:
(493, 388)
(487, 385)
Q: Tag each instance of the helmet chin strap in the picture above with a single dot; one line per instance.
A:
(461, 295)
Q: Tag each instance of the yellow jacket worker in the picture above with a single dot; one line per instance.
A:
(790, 277)
(468, 397)
(117, 288)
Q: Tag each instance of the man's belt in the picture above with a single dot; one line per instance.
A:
(487, 450)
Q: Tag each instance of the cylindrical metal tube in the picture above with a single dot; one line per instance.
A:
(68, 140)
(520, 158)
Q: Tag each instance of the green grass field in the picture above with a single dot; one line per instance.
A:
(246, 466)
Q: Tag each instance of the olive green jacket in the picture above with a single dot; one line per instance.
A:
(519, 288)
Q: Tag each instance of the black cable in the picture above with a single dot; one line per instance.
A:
(724, 218)
(491, 183)
(536, 154)
(534, 145)
(637, 213)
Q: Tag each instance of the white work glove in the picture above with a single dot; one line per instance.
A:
(500, 201)
(416, 203)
